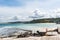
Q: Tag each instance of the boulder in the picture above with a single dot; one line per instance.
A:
(58, 29)
(51, 33)
(26, 34)
(12, 32)
(51, 29)
(39, 31)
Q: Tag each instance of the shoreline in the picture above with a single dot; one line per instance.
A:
(38, 33)
(45, 33)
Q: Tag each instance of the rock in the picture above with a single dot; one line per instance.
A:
(51, 29)
(58, 30)
(26, 34)
(51, 33)
(39, 29)
(11, 32)
(41, 33)
(35, 34)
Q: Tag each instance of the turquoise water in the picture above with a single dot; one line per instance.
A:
(29, 26)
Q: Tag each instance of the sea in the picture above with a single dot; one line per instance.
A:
(9, 28)
(30, 25)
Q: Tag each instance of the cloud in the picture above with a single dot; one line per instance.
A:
(26, 7)
(14, 11)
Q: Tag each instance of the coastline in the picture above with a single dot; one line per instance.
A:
(51, 34)
(33, 33)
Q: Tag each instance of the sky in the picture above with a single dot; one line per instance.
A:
(10, 8)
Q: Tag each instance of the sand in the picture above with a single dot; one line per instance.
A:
(34, 38)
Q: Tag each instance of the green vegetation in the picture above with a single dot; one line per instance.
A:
(46, 20)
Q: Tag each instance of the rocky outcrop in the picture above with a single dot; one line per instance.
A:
(12, 32)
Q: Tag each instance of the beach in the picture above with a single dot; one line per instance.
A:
(34, 38)
(39, 31)
(50, 34)
(29, 19)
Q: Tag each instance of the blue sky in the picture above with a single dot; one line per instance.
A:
(26, 7)
(23, 3)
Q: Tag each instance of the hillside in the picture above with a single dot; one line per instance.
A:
(46, 20)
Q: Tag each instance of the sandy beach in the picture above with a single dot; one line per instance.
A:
(34, 38)
(39, 34)
(29, 19)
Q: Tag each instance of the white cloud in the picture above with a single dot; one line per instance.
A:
(28, 8)
(46, 8)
